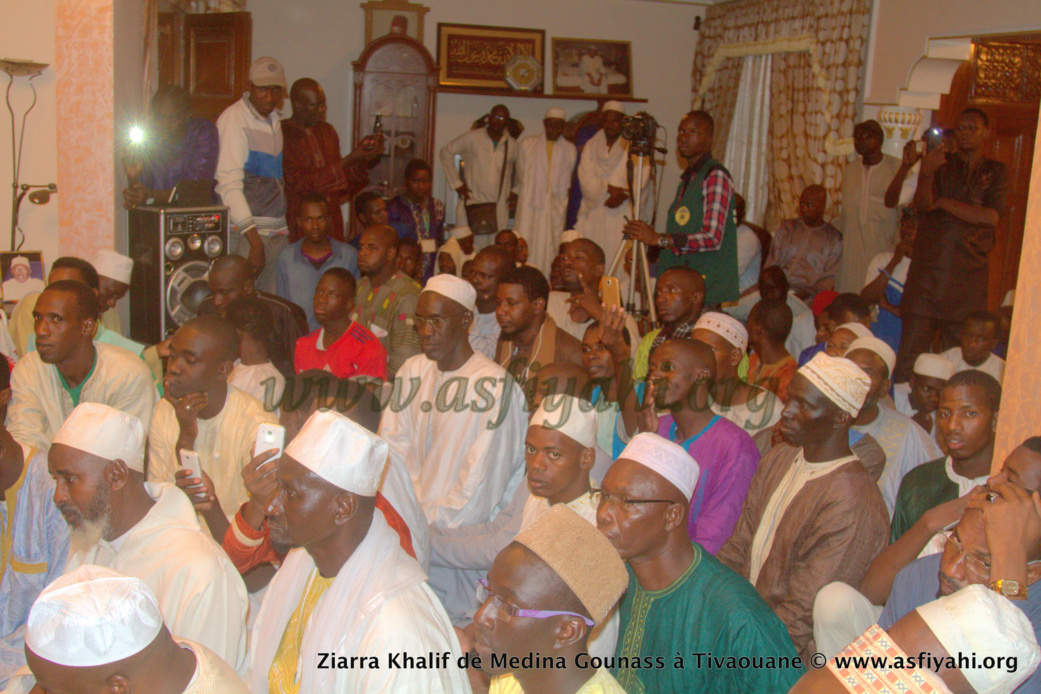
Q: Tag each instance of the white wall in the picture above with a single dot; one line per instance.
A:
(27, 33)
(320, 38)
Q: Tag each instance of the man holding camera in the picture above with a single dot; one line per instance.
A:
(701, 232)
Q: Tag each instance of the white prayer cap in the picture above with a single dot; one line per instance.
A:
(839, 379)
(455, 288)
(460, 232)
(668, 459)
(570, 235)
(341, 452)
(20, 260)
(569, 415)
(857, 329)
(556, 112)
(92, 616)
(933, 366)
(873, 344)
(978, 620)
(613, 106)
(727, 327)
(105, 432)
(113, 265)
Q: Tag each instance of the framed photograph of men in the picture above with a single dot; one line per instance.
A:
(592, 66)
(22, 274)
(397, 17)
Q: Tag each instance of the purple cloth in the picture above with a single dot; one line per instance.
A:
(728, 459)
(193, 159)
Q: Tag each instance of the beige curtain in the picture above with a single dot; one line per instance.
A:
(818, 49)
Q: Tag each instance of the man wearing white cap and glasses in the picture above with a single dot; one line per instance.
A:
(98, 630)
(603, 178)
(813, 514)
(149, 531)
(905, 443)
(544, 168)
(750, 407)
(461, 435)
(680, 598)
(249, 170)
(348, 589)
(920, 396)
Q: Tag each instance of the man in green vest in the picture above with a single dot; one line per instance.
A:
(701, 232)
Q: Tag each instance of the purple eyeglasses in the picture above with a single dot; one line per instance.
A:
(506, 611)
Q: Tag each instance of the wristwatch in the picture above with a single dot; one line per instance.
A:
(1009, 588)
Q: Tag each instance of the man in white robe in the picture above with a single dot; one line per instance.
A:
(202, 413)
(906, 444)
(148, 531)
(348, 590)
(544, 168)
(68, 368)
(457, 420)
(489, 155)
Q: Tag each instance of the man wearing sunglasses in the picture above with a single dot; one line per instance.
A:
(680, 598)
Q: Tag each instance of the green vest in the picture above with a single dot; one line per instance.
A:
(718, 267)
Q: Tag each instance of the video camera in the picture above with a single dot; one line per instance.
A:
(642, 131)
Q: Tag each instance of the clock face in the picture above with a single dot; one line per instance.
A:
(523, 73)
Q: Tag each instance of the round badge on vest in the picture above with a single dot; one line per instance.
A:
(682, 215)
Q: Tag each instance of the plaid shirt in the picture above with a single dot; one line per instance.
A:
(717, 190)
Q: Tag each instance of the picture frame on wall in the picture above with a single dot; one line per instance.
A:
(592, 67)
(393, 17)
(475, 57)
(22, 273)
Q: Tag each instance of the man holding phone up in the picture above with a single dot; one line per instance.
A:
(959, 199)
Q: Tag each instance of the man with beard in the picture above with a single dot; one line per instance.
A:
(386, 297)
(145, 530)
(201, 412)
(813, 514)
(530, 339)
(230, 279)
(68, 368)
(349, 589)
(461, 431)
(490, 265)
(679, 297)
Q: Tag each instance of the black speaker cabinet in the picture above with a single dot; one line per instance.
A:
(172, 249)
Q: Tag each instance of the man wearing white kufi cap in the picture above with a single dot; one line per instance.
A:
(813, 514)
(146, 530)
(603, 179)
(906, 444)
(114, 271)
(544, 168)
(750, 407)
(920, 396)
(456, 250)
(461, 435)
(680, 598)
(348, 589)
(98, 630)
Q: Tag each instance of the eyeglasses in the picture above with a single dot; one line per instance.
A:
(437, 323)
(505, 611)
(973, 563)
(606, 498)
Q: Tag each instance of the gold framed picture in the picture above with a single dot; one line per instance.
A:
(474, 56)
(592, 66)
(396, 17)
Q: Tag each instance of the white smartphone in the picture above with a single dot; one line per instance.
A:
(270, 437)
(190, 462)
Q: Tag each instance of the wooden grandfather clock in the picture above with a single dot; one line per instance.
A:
(396, 78)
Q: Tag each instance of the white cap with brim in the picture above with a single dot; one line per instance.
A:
(668, 459)
(571, 416)
(839, 379)
(933, 366)
(113, 265)
(267, 72)
(613, 106)
(105, 432)
(879, 347)
(92, 616)
(454, 288)
(341, 452)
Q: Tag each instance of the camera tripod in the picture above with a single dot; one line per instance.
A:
(641, 270)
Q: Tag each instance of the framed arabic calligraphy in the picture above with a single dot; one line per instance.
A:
(475, 56)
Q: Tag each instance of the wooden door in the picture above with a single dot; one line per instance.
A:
(207, 54)
(1004, 80)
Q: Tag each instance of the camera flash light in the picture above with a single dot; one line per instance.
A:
(137, 135)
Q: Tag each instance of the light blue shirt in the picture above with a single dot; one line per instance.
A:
(296, 277)
(39, 548)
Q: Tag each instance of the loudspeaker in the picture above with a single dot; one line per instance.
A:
(172, 249)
